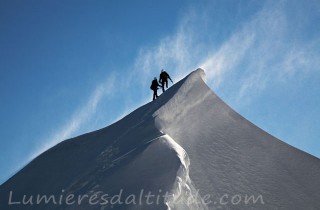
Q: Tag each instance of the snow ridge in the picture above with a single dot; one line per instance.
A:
(184, 195)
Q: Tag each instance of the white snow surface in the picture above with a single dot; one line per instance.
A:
(187, 149)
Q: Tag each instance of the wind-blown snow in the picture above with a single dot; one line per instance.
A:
(187, 148)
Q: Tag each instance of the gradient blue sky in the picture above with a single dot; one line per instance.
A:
(70, 67)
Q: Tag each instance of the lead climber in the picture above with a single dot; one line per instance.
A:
(164, 76)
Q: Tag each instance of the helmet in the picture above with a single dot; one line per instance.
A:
(162, 70)
(155, 78)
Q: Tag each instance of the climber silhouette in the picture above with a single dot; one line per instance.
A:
(154, 86)
(164, 76)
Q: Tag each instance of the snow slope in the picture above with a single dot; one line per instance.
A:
(185, 150)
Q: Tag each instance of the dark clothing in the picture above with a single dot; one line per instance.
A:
(163, 79)
(164, 76)
(154, 86)
(164, 82)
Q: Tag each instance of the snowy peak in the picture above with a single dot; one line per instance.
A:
(185, 150)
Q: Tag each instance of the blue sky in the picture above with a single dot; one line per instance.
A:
(70, 67)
